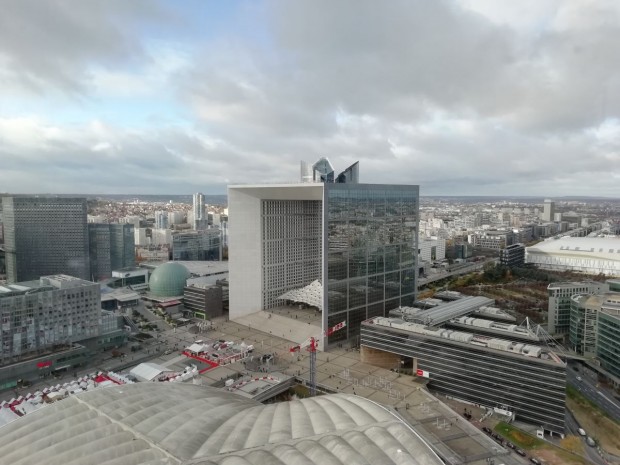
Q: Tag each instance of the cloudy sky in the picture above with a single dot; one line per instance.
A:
(464, 97)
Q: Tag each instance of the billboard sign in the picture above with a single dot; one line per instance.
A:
(422, 373)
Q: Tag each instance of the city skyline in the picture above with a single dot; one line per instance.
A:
(461, 97)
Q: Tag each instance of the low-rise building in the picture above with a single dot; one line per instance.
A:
(512, 255)
(590, 255)
(525, 380)
(203, 300)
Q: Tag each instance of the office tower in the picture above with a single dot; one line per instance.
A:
(176, 217)
(99, 251)
(432, 249)
(45, 236)
(135, 220)
(50, 311)
(199, 213)
(197, 245)
(161, 220)
(354, 244)
(559, 307)
(549, 210)
(122, 246)
(112, 247)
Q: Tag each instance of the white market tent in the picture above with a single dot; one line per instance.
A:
(148, 371)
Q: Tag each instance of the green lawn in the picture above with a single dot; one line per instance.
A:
(530, 443)
(518, 437)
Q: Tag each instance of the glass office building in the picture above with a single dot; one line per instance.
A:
(608, 347)
(370, 236)
(45, 236)
(359, 241)
(526, 380)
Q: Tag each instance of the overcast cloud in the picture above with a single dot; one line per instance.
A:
(469, 97)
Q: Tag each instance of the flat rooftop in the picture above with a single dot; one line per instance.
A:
(197, 268)
(445, 312)
(58, 281)
(495, 327)
(478, 340)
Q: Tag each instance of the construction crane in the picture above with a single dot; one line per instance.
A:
(311, 345)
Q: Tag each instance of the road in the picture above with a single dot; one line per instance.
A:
(469, 268)
(589, 388)
(572, 427)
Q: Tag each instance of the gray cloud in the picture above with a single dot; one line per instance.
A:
(420, 92)
(52, 44)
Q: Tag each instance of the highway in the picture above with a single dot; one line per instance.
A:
(588, 387)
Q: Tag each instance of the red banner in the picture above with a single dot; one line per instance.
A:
(44, 364)
(335, 328)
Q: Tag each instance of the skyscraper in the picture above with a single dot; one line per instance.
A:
(45, 236)
(199, 214)
(161, 220)
(112, 247)
(358, 242)
(122, 246)
(549, 210)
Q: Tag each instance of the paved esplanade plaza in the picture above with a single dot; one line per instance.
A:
(339, 371)
(149, 423)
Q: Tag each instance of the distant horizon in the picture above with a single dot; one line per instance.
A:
(452, 196)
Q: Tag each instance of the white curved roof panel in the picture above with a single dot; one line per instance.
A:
(312, 295)
(164, 423)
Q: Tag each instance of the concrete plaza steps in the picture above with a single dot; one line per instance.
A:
(288, 328)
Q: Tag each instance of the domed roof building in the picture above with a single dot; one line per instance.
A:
(185, 424)
(168, 280)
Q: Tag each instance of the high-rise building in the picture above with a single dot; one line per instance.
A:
(549, 210)
(432, 249)
(161, 220)
(198, 212)
(122, 246)
(355, 245)
(45, 236)
(175, 217)
(197, 245)
(99, 251)
(112, 247)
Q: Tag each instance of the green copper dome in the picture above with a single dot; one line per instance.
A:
(168, 280)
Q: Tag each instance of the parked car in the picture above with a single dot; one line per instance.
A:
(590, 442)
(535, 461)
(167, 352)
(582, 432)
(520, 452)
(486, 429)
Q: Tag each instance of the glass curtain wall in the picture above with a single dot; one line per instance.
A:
(371, 242)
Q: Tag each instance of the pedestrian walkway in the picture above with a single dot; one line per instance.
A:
(290, 329)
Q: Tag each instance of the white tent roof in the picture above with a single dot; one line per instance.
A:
(148, 371)
(196, 348)
(312, 294)
(179, 424)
